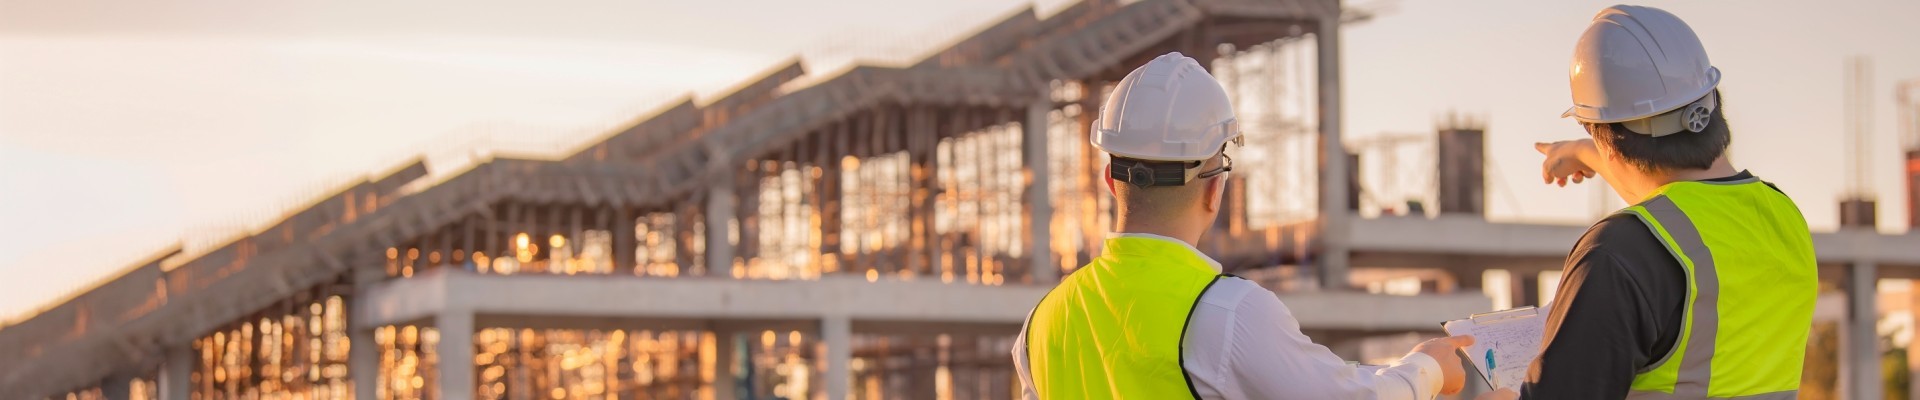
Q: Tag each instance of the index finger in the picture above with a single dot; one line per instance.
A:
(1542, 147)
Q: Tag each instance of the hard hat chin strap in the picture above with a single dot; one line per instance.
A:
(1694, 117)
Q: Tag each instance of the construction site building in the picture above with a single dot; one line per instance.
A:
(880, 232)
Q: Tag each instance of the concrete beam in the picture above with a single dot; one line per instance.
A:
(1472, 237)
(1853, 245)
(709, 301)
(1462, 235)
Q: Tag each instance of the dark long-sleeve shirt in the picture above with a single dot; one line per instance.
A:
(1617, 312)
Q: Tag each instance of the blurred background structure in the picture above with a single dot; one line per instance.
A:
(876, 233)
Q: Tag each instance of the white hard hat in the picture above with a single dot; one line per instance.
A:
(1167, 110)
(1644, 67)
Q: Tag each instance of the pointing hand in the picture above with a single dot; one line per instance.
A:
(1567, 161)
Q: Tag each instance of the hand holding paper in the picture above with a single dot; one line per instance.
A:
(1506, 342)
(1445, 351)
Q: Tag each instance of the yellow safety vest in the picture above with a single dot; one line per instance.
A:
(1751, 285)
(1114, 328)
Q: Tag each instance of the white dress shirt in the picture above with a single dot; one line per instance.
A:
(1242, 343)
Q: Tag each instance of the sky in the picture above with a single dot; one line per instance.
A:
(126, 126)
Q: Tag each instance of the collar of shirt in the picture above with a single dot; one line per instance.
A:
(1189, 246)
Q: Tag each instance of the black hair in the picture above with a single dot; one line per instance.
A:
(1679, 151)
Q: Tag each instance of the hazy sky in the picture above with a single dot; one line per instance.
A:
(124, 125)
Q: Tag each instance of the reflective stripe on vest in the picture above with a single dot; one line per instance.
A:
(1114, 328)
(1750, 265)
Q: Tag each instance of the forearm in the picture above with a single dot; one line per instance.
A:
(1420, 375)
(1590, 156)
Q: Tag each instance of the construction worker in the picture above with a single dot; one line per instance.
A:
(1704, 287)
(1153, 318)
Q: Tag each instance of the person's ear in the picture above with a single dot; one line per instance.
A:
(1106, 174)
(1216, 192)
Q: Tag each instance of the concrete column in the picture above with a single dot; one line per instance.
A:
(746, 213)
(1040, 263)
(363, 361)
(1088, 172)
(725, 348)
(1862, 361)
(117, 387)
(625, 244)
(1333, 157)
(720, 207)
(837, 332)
(923, 180)
(455, 354)
(685, 212)
(176, 374)
(363, 355)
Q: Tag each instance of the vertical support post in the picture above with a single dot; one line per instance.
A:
(833, 147)
(683, 218)
(576, 230)
(1333, 158)
(625, 245)
(176, 373)
(116, 387)
(495, 235)
(1040, 264)
(720, 209)
(363, 358)
(444, 245)
(982, 148)
(528, 224)
(724, 352)
(836, 331)
(922, 141)
(556, 225)
(1092, 236)
(747, 191)
(363, 361)
(455, 354)
(467, 242)
(1862, 365)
